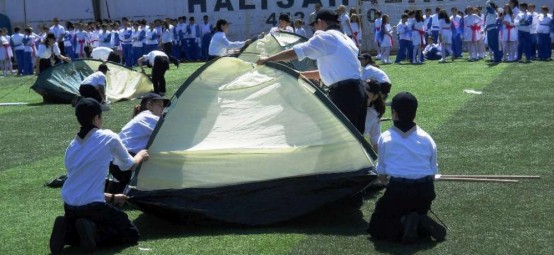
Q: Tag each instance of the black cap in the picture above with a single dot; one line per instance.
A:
(325, 15)
(103, 68)
(86, 109)
(154, 96)
(405, 105)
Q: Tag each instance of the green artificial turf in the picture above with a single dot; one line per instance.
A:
(505, 130)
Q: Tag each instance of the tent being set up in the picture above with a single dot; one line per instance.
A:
(273, 43)
(60, 83)
(252, 145)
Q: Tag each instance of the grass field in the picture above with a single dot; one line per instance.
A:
(506, 130)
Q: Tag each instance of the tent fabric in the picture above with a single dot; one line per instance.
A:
(273, 43)
(60, 84)
(235, 133)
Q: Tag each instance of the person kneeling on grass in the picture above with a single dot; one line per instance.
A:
(94, 86)
(409, 156)
(89, 220)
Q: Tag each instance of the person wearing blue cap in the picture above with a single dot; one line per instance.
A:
(338, 66)
(408, 155)
(90, 220)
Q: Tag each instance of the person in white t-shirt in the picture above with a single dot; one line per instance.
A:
(299, 29)
(408, 155)
(160, 64)
(370, 71)
(344, 20)
(47, 49)
(219, 44)
(336, 56)
(284, 24)
(136, 133)
(90, 219)
(105, 54)
(375, 110)
(94, 85)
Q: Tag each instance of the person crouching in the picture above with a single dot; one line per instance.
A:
(408, 155)
(90, 219)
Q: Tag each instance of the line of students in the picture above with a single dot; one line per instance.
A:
(129, 40)
(509, 33)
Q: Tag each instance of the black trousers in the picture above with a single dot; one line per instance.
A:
(400, 198)
(43, 64)
(122, 176)
(113, 57)
(90, 91)
(350, 97)
(113, 226)
(160, 65)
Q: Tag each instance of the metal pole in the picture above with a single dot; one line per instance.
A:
(25, 12)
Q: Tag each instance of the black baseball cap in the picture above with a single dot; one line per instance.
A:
(326, 15)
(154, 96)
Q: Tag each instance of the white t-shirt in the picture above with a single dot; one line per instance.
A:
(46, 52)
(278, 29)
(374, 73)
(96, 79)
(220, 44)
(87, 161)
(152, 55)
(336, 55)
(301, 31)
(101, 53)
(345, 24)
(136, 133)
(372, 125)
(410, 155)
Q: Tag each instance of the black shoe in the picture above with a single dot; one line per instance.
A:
(56, 183)
(57, 238)
(410, 223)
(87, 233)
(436, 230)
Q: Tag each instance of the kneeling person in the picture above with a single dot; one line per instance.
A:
(94, 86)
(89, 219)
(409, 156)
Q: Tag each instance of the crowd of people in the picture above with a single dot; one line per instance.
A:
(494, 33)
(181, 39)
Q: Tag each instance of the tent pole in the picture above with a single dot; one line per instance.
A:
(493, 176)
(476, 180)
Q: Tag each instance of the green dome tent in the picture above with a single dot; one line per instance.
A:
(60, 84)
(250, 144)
(273, 43)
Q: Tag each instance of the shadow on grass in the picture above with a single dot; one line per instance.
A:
(342, 218)
(396, 248)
